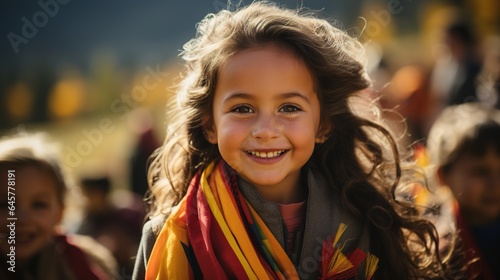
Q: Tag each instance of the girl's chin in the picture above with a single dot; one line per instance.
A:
(25, 254)
(27, 250)
(258, 181)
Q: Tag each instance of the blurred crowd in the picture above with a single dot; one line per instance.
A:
(464, 70)
(447, 111)
(36, 243)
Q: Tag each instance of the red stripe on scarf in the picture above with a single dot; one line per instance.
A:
(198, 233)
(204, 231)
(247, 218)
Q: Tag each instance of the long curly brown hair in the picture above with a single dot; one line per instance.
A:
(360, 157)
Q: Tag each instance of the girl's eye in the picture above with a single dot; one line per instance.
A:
(242, 109)
(479, 172)
(40, 205)
(289, 108)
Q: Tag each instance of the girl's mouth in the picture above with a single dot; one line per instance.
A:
(269, 154)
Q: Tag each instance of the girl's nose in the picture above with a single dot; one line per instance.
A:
(266, 127)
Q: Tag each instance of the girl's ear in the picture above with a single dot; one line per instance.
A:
(323, 133)
(209, 132)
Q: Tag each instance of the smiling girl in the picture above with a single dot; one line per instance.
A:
(267, 172)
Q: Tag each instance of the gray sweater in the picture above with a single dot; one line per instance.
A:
(323, 217)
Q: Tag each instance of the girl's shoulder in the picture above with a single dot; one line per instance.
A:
(156, 223)
(75, 247)
(150, 232)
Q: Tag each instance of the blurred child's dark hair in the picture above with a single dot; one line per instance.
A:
(466, 129)
(100, 184)
(34, 150)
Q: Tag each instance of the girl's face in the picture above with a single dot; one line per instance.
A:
(475, 182)
(266, 119)
(37, 210)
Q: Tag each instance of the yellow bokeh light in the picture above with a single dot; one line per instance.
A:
(67, 98)
(405, 82)
(19, 100)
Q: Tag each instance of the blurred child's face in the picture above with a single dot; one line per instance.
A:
(266, 117)
(475, 182)
(37, 209)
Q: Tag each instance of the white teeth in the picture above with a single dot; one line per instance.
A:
(266, 154)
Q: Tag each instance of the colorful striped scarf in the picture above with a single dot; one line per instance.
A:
(214, 233)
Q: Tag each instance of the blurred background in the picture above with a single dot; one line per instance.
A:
(96, 74)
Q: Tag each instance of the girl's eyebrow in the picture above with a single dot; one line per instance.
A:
(242, 95)
(291, 95)
(237, 95)
(44, 194)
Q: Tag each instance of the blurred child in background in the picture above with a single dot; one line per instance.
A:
(464, 147)
(117, 226)
(41, 250)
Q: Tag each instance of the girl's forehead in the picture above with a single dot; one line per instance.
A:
(265, 70)
(259, 60)
(33, 180)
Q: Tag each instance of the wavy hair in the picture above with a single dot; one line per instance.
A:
(36, 150)
(360, 157)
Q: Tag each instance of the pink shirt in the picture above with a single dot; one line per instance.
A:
(293, 216)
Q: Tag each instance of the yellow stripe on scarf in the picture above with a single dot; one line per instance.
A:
(215, 208)
(156, 269)
(235, 223)
(275, 249)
